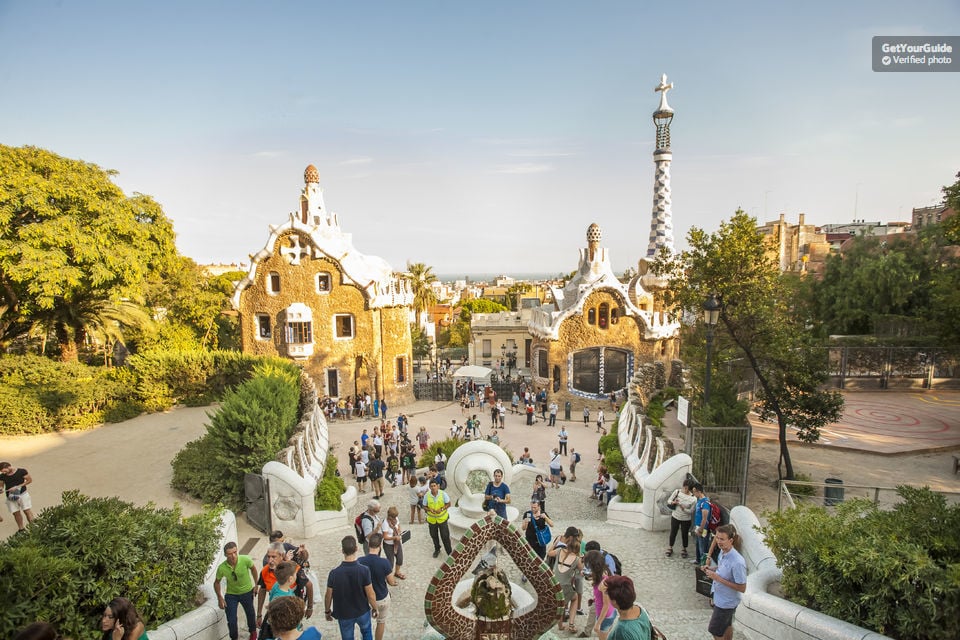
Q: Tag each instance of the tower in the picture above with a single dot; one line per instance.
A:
(661, 226)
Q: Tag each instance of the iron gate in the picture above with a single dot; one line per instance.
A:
(256, 501)
(721, 458)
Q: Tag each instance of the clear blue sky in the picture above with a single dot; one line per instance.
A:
(483, 136)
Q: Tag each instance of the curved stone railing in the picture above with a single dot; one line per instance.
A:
(764, 616)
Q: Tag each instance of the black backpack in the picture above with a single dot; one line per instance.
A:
(617, 566)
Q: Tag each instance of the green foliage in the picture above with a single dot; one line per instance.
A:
(254, 422)
(629, 492)
(802, 490)
(448, 445)
(330, 488)
(420, 341)
(456, 335)
(79, 555)
(421, 279)
(725, 408)
(478, 305)
(896, 572)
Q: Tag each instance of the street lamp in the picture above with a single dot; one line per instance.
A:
(711, 315)
(509, 357)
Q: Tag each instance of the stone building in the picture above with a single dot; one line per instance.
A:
(309, 295)
(797, 247)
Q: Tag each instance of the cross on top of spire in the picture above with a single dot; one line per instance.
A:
(663, 87)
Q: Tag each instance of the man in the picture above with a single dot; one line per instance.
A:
(562, 437)
(371, 523)
(586, 416)
(383, 408)
(300, 555)
(455, 428)
(611, 488)
(408, 462)
(553, 413)
(375, 473)
(498, 494)
(377, 442)
(574, 460)
(361, 471)
(701, 522)
(381, 575)
(350, 597)
(240, 573)
(600, 427)
(437, 504)
(15, 483)
(275, 554)
(364, 438)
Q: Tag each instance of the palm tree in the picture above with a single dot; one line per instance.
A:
(421, 278)
(103, 320)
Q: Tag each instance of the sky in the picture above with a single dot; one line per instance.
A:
(482, 137)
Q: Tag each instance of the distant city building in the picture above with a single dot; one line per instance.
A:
(797, 247)
(926, 216)
(213, 270)
(497, 339)
(309, 295)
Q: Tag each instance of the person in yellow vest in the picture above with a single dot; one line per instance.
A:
(437, 502)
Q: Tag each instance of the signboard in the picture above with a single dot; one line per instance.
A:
(683, 411)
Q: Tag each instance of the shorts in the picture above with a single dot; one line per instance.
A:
(608, 622)
(23, 504)
(720, 621)
(383, 610)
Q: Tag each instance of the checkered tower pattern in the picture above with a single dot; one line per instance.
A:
(661, 226)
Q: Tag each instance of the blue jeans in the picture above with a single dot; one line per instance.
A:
(347, 627)
(245, 600)
(703, 545)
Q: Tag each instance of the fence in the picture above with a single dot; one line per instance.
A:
(894, 367)
(828, 494)
(721, 459)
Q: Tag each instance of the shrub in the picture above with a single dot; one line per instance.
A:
(895, 572)
(79, 555)
(449, 445)
(330, 488)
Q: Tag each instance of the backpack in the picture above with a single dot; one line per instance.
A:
(715, 516)
(576, 457)
(617, 566)
(358, 526)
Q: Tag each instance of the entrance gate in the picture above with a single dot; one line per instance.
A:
(256, 500)
(721, 458)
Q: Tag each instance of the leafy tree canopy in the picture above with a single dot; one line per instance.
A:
(479, 305)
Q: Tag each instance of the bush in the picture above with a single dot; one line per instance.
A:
(79, 555)
(449, 445)
(330, 488)
(896, 572)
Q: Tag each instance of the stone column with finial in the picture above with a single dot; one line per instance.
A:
(661, 226)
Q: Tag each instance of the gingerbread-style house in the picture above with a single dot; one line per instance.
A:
(312, 297)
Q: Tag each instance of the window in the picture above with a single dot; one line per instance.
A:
(343, 325)
(604, 315)
(273, 282)
(600, 370)
(556, 378)
(263, 326)
(487, 348)
(299, 332)
(586, 370)
(591, 316)
(323, 282)
(542, 367)
(401, 369)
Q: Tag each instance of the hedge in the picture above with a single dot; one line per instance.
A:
(896, 572)
(79, 555)
(448, 445)
(330, 488)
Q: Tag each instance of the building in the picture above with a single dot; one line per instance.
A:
(309, 295)
(502, 340)
(926, 216)
(798, 248)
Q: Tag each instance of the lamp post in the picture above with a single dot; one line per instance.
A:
(509, 357)
(711, 314)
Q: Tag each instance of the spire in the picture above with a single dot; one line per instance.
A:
(661, 226)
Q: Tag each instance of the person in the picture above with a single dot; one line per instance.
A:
(375, 473)
(539, 494)
(556, 466)
(683, 502)
(514, 403)
(408, 461)
(370, 522)
(268, 578)
(298, 554)
(597, 571)
(440, 460)
(437, 504)
(120, 621)
(361, 468)
(525, 457)
(383, 408)
(569, 567)
(534, 521)
(15, 483)
(455, 428)
(240, 573)
(610, 488)
(393, 468)
(586, 416)
(600, 419)
(423, 438)
(553, 413)
(381, 575)
(497, 494)
(701, 522)
(501, 413)
(529, 411)
(562, 436)
(350, 598)
(285, 614)
(574, 461)
(38, 631)
(393, 542)
(415, 499)
(378, 442)
(729, 582)
(633, 623)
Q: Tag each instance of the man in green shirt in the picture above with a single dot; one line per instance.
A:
(240, 573)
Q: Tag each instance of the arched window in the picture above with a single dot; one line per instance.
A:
(591, 316)
(604, 315)
(273, 282)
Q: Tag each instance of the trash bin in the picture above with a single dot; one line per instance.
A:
(566, 410)
(833, 495)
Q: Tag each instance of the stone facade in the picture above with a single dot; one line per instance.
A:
(311, 296)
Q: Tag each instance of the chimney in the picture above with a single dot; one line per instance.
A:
(800, 223)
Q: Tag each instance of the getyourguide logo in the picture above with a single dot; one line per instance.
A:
(927, 47)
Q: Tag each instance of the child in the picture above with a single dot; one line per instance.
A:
(286, 584)
(414, 498)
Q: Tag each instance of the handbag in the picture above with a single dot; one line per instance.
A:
(405, 536)
(543, 535)
(663, 502)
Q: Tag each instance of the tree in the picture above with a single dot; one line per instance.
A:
(479, 305)
(515, 293)
(756, 322)
(71, 244)
(951, 226)
(421, 342)
(421, 279)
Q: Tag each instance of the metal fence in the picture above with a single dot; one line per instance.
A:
(894, 367)
(721, 459)
(433, 390)
(834, 491)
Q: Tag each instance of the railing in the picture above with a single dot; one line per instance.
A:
(830, 494)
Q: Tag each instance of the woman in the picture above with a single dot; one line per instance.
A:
(534, 522)
(393, 542)
(633, 623)
(729, 582)
(120, 621)
(569, 567)
(683, 502)
(596, 565)
(539, 493)
(285, 615)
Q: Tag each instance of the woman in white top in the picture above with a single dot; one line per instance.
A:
(392, 541)
(684, 503)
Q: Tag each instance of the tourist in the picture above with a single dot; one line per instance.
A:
(539, 494)
(240, 573)
(586, 416)
(286, 614)
(423, 438)
(381, 575)
(536, 524)
(600, 419)
(15, 481)
(300, 555)
(414, 498)
(514, 403)
(529, 411)
(701, 522)
(437, 504)
(440, 461)
(497, 494)
(683, 502)
(597, 570)
(574, 461)
(378, 442)
(553, 413)
(729, 582)
(562, 436)
(455, 428)
(350, 597)
(120, 621)
(375, 473)
(600, 486)
(556, 466)
(525, 457)
(569, 567)
(370, 522)
(383, 408)
(393, 466)
(393, 541)
(610, 488)
(408, 461)
(361, 470)
(633, 622)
